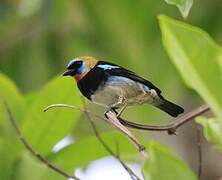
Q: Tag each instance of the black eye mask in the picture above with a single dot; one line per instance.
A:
(74, 64)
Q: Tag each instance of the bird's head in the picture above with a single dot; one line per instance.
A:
(79, 67)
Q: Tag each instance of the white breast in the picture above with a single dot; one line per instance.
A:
(116, 87)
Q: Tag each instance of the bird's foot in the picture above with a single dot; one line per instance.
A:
(121, 110)
(121, 100)
(120, 103)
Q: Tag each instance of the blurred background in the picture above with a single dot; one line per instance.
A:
(39, 37)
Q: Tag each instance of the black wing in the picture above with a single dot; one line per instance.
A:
(116, 70)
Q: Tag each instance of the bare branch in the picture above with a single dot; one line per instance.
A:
(108, 149)
(111, 119)
(119, 122)
(73, 107)
(32, 151)
(171, 127)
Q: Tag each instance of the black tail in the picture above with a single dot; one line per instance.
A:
(170, 108)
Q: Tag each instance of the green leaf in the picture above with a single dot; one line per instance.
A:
(11, 95)
(8, 156)
(162, 164)
(196, 57)
(29, 168)
(44, 129)
(212, 130)
(184, 6)
(81, 153)
(220, 64)
(88, 149)
(31, 98)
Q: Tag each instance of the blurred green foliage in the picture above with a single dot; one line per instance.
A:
(52, 126)
(37, 38)
(195, 55)
(212, 130)
(198, 59)
(162, 160)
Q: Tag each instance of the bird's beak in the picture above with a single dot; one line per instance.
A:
(69, 72)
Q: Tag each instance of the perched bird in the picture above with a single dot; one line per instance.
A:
(114, 87)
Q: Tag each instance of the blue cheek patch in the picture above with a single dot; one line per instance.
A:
(107, 66)
(82, 69)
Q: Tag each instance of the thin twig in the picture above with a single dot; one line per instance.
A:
(108, 149)
(32, 151)
(111, 118)
(73, 107)
(171, 127)
(199, 150)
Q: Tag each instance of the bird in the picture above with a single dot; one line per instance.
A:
(115, 87)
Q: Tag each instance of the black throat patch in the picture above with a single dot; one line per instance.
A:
(91, 81)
